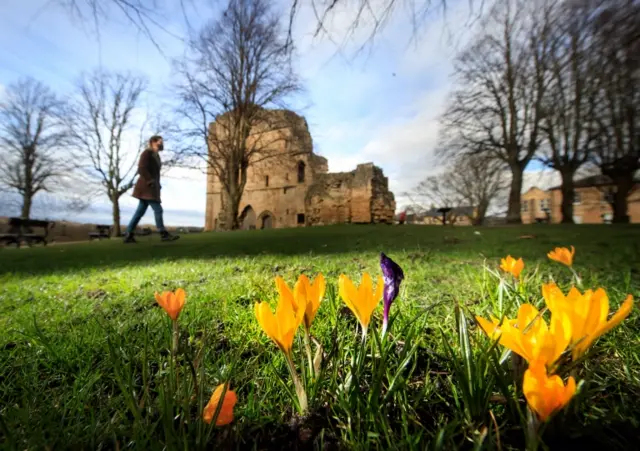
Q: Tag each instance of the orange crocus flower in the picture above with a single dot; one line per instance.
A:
(563, 255)
(587, 313)
(512, 266)
(172, 303)
(546, 395)
(225, 416)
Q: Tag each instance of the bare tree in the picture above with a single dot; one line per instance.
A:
(32, 152)
(497, 107)
(571, 97)
(617, 118)
(476, 181)
(237, 67)
(147, 15)
(99, 127)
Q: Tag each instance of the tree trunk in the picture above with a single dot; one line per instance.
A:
(230, 207)
(567, 196)
(115, 202)
(27, 200)
(624, 184)
(482, 213)
(513, 213)
(232, 194)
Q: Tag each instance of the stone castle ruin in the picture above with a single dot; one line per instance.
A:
(293, 186)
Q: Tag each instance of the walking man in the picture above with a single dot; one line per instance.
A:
(147, 190)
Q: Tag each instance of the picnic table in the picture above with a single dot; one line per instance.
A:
(21, 230)
(102, 231)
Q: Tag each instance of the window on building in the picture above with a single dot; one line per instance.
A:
(266, 180)
(301, 168)
(607, 196)
(544, 204)
(577, 198)
(525, 206)
(300, 218)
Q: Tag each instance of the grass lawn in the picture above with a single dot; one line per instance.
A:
(85, 358)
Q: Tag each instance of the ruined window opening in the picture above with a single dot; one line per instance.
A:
(300, 218)
(285, 190)
(266, 180)
(286, 176)
(301, 168)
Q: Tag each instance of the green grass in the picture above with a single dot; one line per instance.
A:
(84, 348)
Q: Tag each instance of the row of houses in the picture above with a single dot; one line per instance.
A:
(591, 202)
(591, 205)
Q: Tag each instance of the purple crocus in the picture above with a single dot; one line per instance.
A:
(393, 276)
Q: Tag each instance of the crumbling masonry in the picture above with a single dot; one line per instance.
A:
(294, 188)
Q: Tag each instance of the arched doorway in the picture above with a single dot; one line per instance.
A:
(266, 220)
(248, 218)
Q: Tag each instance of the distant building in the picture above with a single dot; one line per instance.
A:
(591, 202)
(293, 186)
(455, 216)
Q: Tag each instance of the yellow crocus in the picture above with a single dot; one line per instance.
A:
(512, 266)
(282, 327)
(563, 255)
(363, 300)
(546, 395)
(587, 313)
(305, 293)
(313, 292)
(529, 336)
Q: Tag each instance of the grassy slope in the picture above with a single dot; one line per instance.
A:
(54, 303)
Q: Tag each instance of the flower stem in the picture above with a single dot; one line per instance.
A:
(577, 277)
(174, 353)
(307, 346)
(532, 432)
(302, 394)
(174, 347)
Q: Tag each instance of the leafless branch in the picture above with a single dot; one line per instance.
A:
(32, 142)
(237, 69)
(99, 127)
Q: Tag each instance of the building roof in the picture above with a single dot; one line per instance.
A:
(594, 180)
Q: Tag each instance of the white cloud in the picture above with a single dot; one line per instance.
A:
(382, 106)
(540, 178)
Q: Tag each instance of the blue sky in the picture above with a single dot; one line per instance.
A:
(380, 106)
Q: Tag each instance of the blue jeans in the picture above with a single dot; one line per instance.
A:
(141, 210)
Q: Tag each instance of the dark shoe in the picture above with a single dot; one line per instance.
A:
(166, 236)
(129, 239)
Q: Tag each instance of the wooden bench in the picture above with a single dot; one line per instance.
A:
(103, 231)
(20, 230)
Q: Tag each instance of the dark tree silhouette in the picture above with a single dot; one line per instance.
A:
(236, 68)
(501, 81)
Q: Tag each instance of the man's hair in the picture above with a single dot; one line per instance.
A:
(154, 138)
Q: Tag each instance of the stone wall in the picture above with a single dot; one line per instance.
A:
(361, 196)
(290, 186)
(383, 203)
(329, 199)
